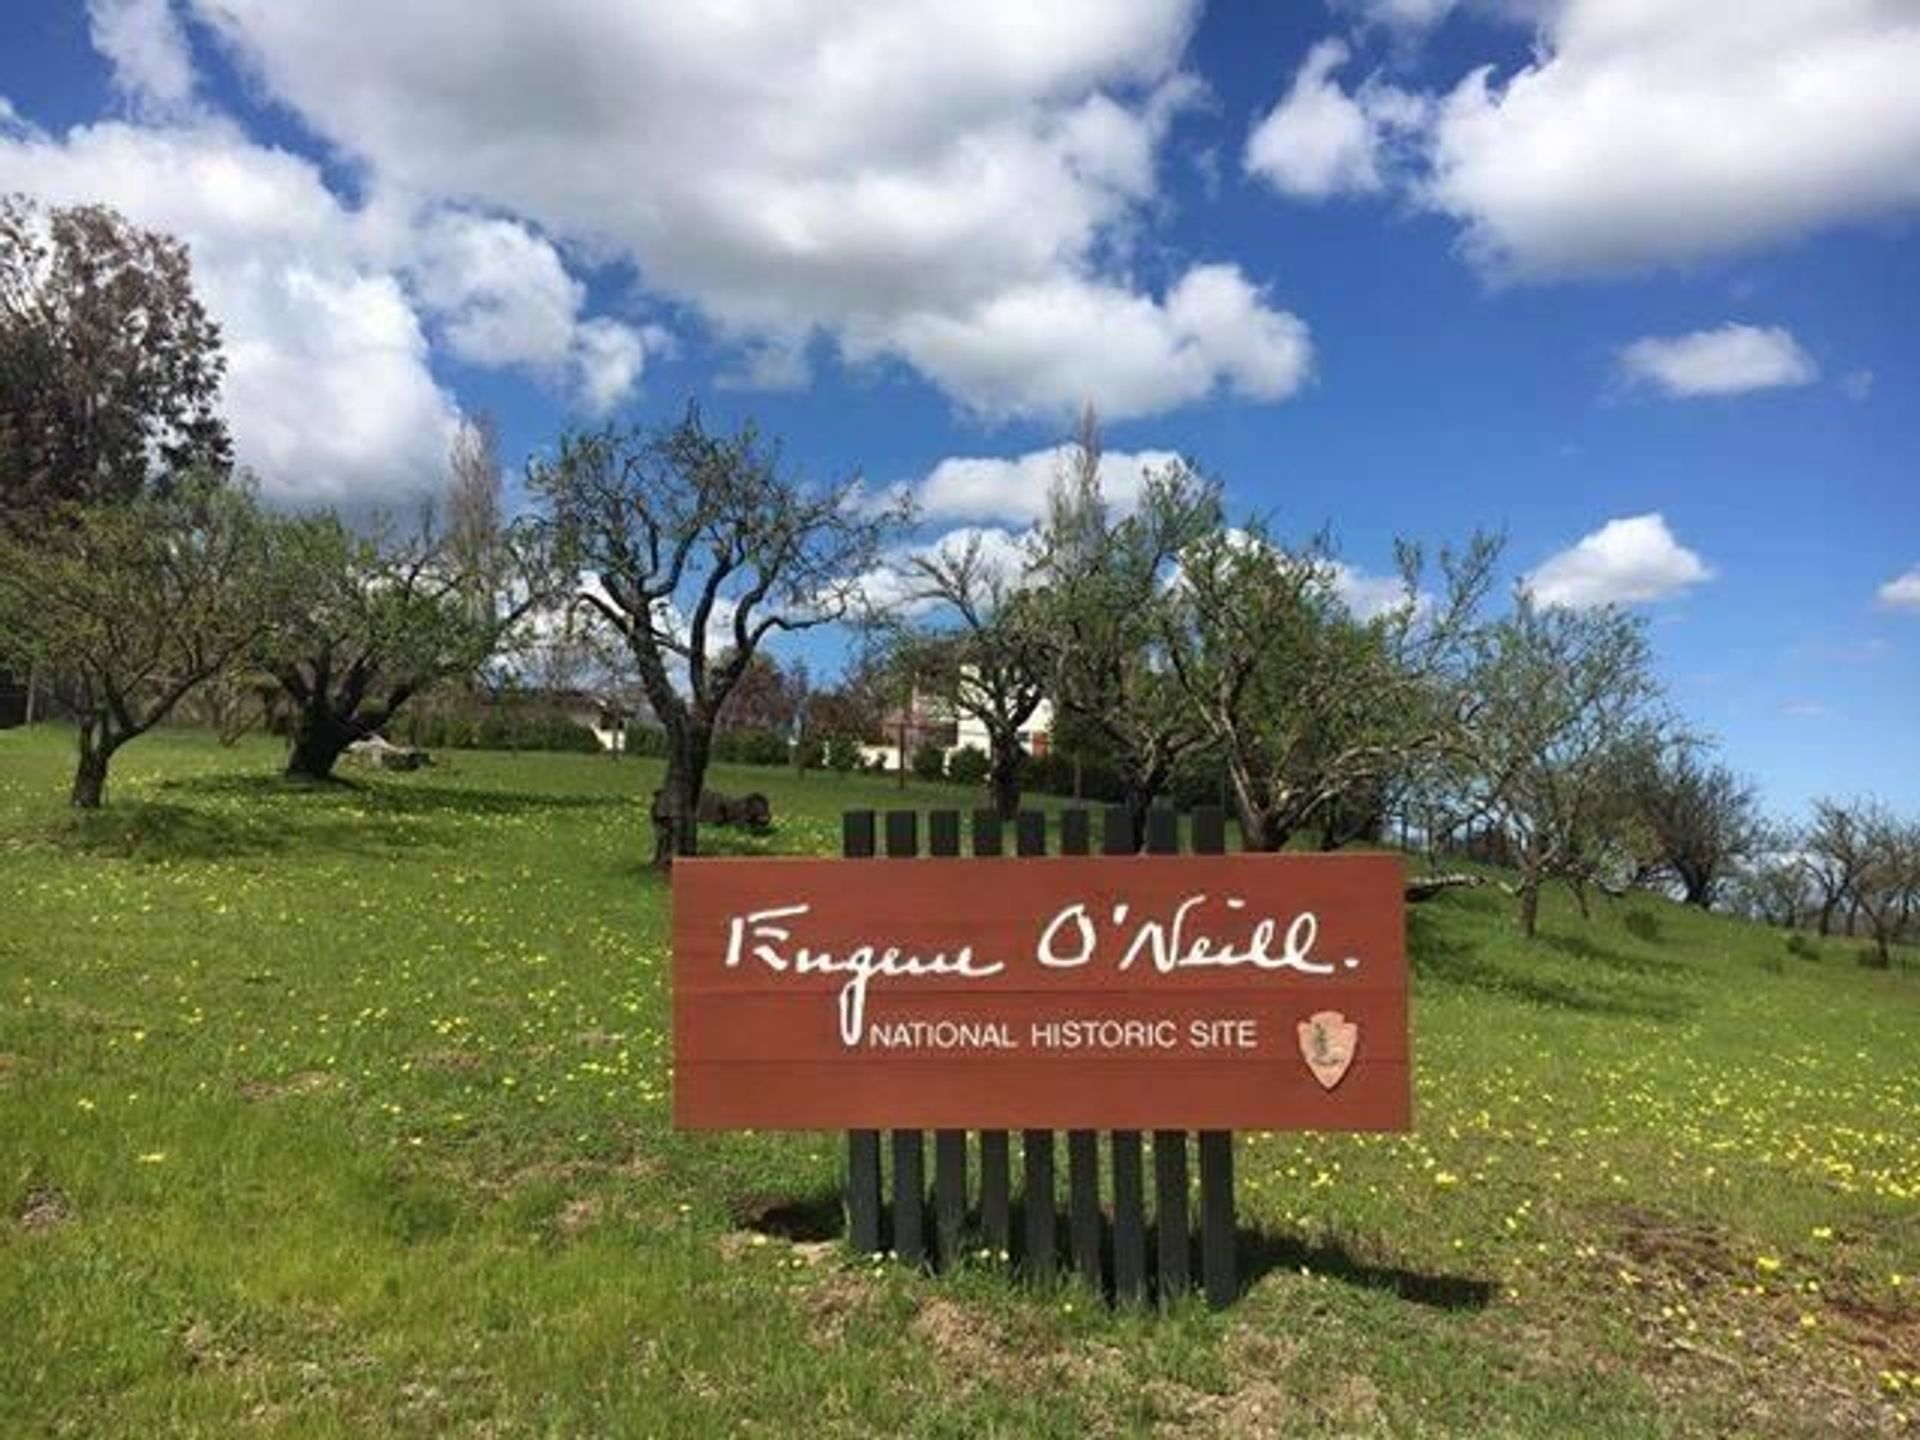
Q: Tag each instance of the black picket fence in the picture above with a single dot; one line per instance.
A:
(1110, 1247)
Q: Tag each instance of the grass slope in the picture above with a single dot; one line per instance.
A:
(344, 1112)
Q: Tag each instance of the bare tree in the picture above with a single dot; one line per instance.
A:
(133, 604)
(695, 547)
(1701, 820)
(1885, 884)
(1836, 854)
(984, 652)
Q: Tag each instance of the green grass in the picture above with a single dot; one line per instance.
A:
(344, 1112)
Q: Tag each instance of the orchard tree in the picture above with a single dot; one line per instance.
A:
(1105, 586)
(380, 618)
(694, 547)
(1314, 711)
(982, 648)
(130, 605)
(1565, 711)
(110, 367)
(1701, 820)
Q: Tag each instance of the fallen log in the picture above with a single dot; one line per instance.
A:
(1425, 887)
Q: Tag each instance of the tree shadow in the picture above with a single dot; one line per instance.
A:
(396, 797)
(1437, 956)
(819, 1215)
(1586, 948)
(1262, 1252)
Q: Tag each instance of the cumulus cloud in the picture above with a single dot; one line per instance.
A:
(1640, 134)
(1902, 592)
(1368, 596)
(1624, 562)
(1016, 488)
(1648, 133)
(1318, 140)
(951, 187)
(1729, 360)
(505, 298)
(145, 43)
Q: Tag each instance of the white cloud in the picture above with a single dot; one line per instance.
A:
(147, 46)
(1902, 592)
(993, 488)
(1624, 562)
(1729, 360)
(1318, 141)
(1648, 133)
(505, 298)
(1367, 597)
(950, 186)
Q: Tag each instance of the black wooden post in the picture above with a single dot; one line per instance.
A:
(909, 1156)
(1083, 1146)
(1129, 1202)
(1036, 1146)
(1169, 1146)
(863, 1146)
(1219, 1264)
(949, 1146)
(996, 1165)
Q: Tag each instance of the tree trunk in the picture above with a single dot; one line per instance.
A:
(1003, 777)
(1138, 800)
(1260, 830)
(90, 774)
(318, 740)
(676, 817)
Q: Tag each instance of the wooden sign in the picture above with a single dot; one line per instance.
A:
(1218, 992)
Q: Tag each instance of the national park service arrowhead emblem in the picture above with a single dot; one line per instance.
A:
(1327, 1042)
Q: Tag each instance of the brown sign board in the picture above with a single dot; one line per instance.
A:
(1202, 992)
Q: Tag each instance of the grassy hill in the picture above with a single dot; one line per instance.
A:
(345, 1113)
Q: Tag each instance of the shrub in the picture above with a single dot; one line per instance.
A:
(929, 762)
(1801, 947)
(503, 727)
(750, 747)
(968, 766)
(843, 753)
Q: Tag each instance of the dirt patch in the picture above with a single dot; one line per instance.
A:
(306, 1082)
(449, 1059)
(837, 1298)
(1692, 1250)
(959, 1336)
(45, 1208)
(9, 1067)
(576, 1217)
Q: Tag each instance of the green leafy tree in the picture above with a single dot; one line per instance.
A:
(1566, 711)
(1314, 710)
(110, 367)
(130, 605)
(380, 618)
(1105, 588)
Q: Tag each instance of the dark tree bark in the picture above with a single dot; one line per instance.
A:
(90, 773)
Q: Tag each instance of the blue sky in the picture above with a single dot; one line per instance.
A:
(1397, 267)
